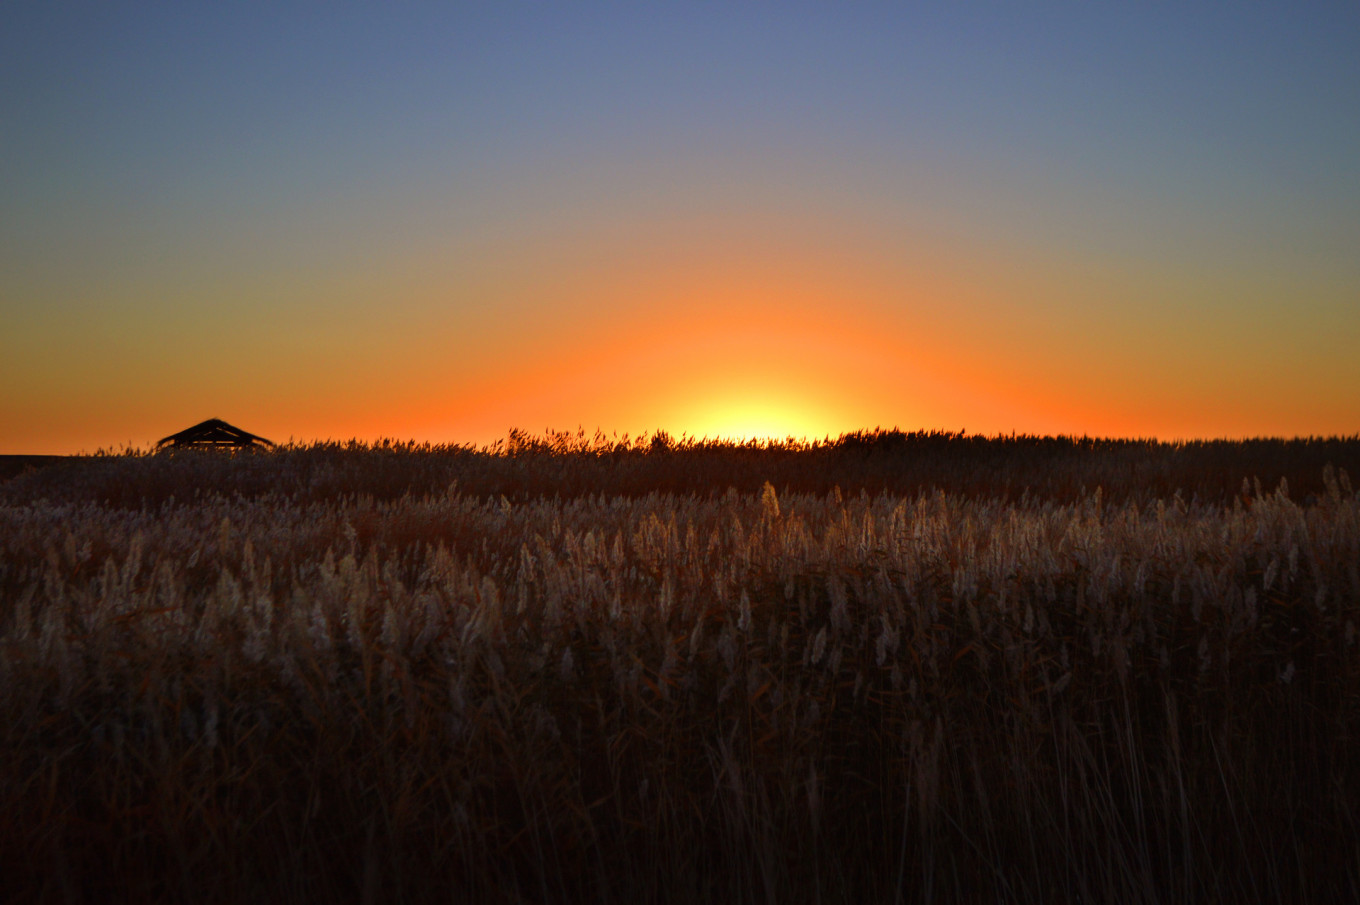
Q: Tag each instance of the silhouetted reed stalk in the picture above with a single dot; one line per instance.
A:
(300, 680)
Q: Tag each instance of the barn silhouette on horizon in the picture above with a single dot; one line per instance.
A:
(213, 434)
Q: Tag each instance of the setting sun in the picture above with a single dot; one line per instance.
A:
(753, 417)
(837, 221)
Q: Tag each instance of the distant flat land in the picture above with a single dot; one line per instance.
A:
(10, 466)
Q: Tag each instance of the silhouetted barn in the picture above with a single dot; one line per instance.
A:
(213, 434)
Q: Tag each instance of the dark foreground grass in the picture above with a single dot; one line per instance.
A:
(307, 678)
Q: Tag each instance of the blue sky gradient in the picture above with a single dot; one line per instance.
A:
(427, 221)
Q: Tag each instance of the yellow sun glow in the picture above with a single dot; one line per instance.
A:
(754, 415)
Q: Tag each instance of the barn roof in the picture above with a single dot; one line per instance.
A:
(214, 434)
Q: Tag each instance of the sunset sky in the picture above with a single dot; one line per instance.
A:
(441, 222)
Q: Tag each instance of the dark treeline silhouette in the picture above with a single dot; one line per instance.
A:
(568, 465)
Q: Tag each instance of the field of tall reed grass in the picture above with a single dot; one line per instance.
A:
(887, 668)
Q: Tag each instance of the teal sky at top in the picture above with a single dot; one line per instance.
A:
(142, 144)
(102, 104)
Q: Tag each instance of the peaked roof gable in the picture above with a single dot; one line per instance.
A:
(214, 433)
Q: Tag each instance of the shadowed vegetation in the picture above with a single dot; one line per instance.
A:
(567, 465)
(892, 667)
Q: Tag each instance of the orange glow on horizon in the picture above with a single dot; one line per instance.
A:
(787, 339)
(680, 221)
